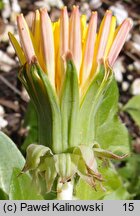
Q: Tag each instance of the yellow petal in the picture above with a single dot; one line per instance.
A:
(36, 29)
(56, 34)
(36, 39)
(61, 37)
(57, 55)
(83, 28)
(111, 35)
(17, 48)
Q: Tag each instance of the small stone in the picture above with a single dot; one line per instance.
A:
(49, 3)
(119, 65)
(6, 63)
(136, 38)
(3, 123)
(135, 87)
(6, 12)
(85, 10)
(125, 86)
(25, 95)
(85, 6)
(16, 59)
(119, 70)
(15, 6)
(55, 3)
(137, 66)
(4, 37)
(94, 4)
(130, 67)
(2, 112)
(42, 4)
(118, 75)
(133, 47)
(55, 14)
(5, 68)
(15, 10)
(10, 50)
(136, 46)
(130, 77)
(4, 58)
(23, 4)
(129, 36)
(120, 12)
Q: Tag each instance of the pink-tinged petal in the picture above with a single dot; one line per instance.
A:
(103, 34)
(119, 41)
(25, 38)
(48, 45)
(64, 31)
(30, 20)
(89, 48)
(75, 45)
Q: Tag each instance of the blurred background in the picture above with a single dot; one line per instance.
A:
(18, 120)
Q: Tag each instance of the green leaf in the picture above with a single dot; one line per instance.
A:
(101, 153)
(133, 108)
(50, 123)
(87, 107)
(10, 157)
(30, 123)
(46, 104)
(131, 174)
(111, 134)
(50, 173)
(87, 154)
(1, 5)
(69, 104)
(50, 196)
(22, 187)
(48, 166)
(34, 154)
(110, 185)
(3, 195)
(119, 194)
(109, 106)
